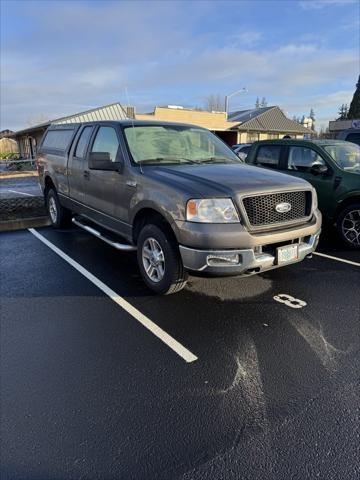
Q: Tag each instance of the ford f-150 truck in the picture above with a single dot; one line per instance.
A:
(177, 195)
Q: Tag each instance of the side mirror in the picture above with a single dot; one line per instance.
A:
(319, 169)
(101, 161)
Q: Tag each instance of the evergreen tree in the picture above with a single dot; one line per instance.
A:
(343, 112)
(354, 110)
(263, 102)
(257, 103)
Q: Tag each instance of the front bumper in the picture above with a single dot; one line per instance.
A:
(250, 261)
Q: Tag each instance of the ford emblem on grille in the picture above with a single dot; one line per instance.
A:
(283, 207)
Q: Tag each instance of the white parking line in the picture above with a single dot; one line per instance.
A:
(21, 193)
(136, 314)
(337, 258)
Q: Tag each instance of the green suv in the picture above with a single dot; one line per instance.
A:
(331, 166)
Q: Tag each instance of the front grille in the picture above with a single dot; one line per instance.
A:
(261, 210)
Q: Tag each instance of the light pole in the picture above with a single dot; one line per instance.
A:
(242, 90)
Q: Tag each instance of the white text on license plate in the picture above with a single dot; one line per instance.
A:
(286, 254)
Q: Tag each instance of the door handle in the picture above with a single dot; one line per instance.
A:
(86, 174)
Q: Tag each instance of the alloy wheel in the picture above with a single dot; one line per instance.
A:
(53, 209)
(350, 227)
(153, 260)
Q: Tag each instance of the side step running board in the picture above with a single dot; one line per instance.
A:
(119, 246)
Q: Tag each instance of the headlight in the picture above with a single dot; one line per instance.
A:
(211, 210)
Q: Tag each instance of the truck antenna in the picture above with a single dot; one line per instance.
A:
(132, 122)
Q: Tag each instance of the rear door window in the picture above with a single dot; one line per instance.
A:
(106, 141)
(268, 156)
(83, 141)
(58, 139)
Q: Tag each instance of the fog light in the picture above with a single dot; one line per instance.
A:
(223, 260)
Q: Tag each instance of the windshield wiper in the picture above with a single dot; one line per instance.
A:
(156, 160)
(215, 160)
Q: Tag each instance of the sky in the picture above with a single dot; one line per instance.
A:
(63, 57)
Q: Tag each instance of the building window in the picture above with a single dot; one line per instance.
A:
(252, 137)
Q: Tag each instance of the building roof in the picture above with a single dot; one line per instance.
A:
(113, 111)
(245, 115)
(267, 119)
(5, 133)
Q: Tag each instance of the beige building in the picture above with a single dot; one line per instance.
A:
(245, 126)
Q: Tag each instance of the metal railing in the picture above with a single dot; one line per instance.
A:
(14, 165)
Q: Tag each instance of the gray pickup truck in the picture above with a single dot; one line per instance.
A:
(177, 195)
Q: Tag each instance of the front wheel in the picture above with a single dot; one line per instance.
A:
(159, 260)
(348, 225)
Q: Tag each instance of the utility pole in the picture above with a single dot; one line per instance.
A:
(242, 90)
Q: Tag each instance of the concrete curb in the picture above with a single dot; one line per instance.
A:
(4, 176)
(22, 223)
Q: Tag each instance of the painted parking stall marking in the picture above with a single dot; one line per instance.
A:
(350, 262)
(20, 193)
(289, 300)
(182, 351)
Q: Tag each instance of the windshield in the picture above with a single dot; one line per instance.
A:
(346, 156)
(159, 144)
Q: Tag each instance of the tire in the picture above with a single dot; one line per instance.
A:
(348, 225)
(159, 260)
(60, 217)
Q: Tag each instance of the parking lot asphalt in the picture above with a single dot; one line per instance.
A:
(19, 187)
(90, 390)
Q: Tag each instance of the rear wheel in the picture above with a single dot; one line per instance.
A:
(159, 260)
(60, 217)
(348, 225)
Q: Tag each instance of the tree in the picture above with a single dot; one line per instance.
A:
(36, 120)
(257, 103)
(263, 102)
(343, 112)
(214, 103)
(354, 110)
(324, 133)
(312, 116)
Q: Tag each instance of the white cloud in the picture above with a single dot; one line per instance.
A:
(248, 38)
(162, 56)
(318, 4)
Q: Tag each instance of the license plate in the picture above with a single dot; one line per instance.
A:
(287, 254)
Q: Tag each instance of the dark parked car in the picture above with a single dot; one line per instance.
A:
(178, 196)
(241, 150)
(350, 135)
(331, 166)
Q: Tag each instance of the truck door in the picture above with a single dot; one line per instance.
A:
(100, 186)
(76, 166)
(300, 163)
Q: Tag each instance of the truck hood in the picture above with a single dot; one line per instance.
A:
(226, 180)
